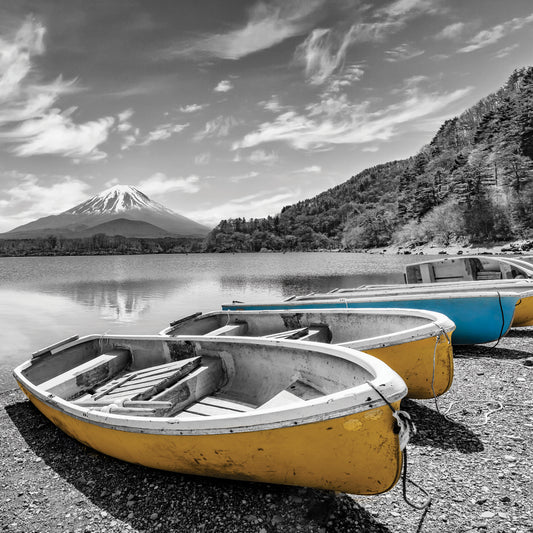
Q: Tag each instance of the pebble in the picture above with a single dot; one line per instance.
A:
(487, 514)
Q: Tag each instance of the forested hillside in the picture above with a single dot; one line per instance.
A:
(473, 183)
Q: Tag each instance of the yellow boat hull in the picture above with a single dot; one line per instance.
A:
(426, 370)
(523, 315)
(357, 454)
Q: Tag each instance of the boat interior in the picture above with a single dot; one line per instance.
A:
(175, 377)
(461, 269)
(330, 326)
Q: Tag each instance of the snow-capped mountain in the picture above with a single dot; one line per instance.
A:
(117, 200)
(119, 210)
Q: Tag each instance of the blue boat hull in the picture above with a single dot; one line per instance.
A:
(478, 319)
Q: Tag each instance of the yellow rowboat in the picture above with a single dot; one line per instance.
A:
(414, 343)
(267, 410)
(523, 288)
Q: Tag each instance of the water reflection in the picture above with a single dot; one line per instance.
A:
(43, 300)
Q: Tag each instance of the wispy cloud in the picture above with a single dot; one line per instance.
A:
(313, 169)
(256, 205)
(223, 86)
(30, 197)
(452, 31)
(218, 127)
(162, 132)
(57, 133)
(28, 120)
(487, 37)
(324, 50)
(202, 159)
(338, 121)
(402, 52)
(504, 52)
(242, 177)
(192, 108)
(260, 156)
(160, 184)
(268, 24)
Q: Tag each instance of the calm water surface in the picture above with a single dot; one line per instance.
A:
(45, 299)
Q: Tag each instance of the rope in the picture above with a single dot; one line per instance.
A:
(503, 324)
(404, 419)
(427, 502)
(485, 415)
(433, 375)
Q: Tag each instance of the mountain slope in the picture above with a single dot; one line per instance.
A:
(472, 183)
(119, 202)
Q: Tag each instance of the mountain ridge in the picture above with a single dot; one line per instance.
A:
(97, 214)
(473, 183)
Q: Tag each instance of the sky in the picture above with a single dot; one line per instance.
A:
(223, 109)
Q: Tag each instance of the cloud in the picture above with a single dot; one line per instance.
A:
(452, 31)
(56, 133)
(402, 52)
(192, 108)
(29, 197)
(162, 132)
(218, 127)
(260, 204)
(504, 52)
(410, 8)
(15, 59)
(268, 24)
(487, 37)
(337, 121)
(324, 50)
(313, 168)
(260, 156)
(271, 105)
(223, 86)
(159, 184)
(202, 159)
(28, 120)
(242, 177)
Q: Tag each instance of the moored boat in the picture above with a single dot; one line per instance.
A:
(267, 410)
(467, 268)
(479, 316)
(523, 288)
(414, 343)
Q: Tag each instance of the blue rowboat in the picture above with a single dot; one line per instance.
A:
(479, 317)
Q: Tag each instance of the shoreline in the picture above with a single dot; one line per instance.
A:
(472, 454)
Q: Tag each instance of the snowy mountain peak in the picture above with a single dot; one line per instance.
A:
(115, 200)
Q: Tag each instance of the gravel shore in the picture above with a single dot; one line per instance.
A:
(472, 453)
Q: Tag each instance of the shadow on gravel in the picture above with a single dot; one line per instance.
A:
(154, 500)
(489, 352)
(434, 429)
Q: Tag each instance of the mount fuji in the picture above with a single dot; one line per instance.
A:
(120, 210)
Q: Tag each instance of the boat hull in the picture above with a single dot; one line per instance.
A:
(523, 316)
(426, 365)
(478, 318)
(363, 454)
(415, 344)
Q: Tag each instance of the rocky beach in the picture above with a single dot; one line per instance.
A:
(471, 454)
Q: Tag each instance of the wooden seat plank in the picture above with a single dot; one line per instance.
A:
(282, 399)
(289, 334)
(229, 329)
(87, 375)
(228, 404)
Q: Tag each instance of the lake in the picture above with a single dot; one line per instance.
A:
(46, 299)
